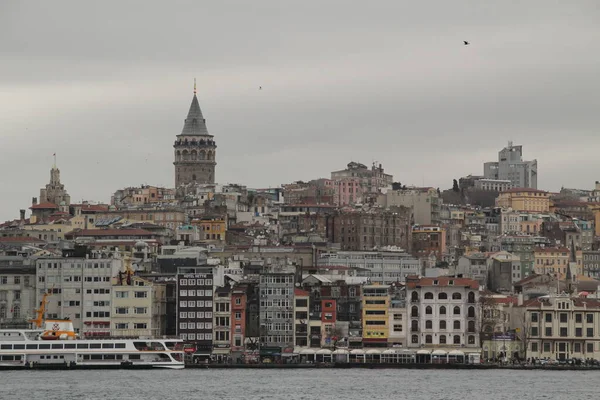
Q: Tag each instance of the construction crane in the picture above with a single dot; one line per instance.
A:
(39, 319)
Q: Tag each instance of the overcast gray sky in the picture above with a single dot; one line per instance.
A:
(106, 85)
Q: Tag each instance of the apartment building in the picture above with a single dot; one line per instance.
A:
(222, 323)
(239, 300)
(301, 311)
(17, 295)
(375, 315)
(277, 310)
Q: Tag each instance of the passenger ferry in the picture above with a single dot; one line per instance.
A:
(57, 345)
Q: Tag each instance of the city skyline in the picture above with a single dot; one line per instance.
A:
(392, 84)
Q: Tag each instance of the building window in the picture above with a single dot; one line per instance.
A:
(534, 317)
(442, 325)
(442, 339)
(428, 339)
(548, 331)
(589, 318)
(471, 312)
(456, 310)
(578, 332)
(534, 331)
(415, 339)
(428, 310)
(578, 318)
(428, 324)
(548, 317)
(563, 317)
(456, 296)
(443, 310)
(456, 339)
(534, 347)
(456, 325)
(428, 296)
(590, 347)
(443, 296)
(577, 348)
(590, 332)
(238, 301)
(564, 332)
(546, 347)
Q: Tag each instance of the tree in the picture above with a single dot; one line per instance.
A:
(455, 186)
(523, 332)
(489, 317)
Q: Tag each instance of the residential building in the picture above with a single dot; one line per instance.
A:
(239, 301)
(493, 185)
(473, 266)
(276, 310)
(428, 240)
(370, 230)
(398, 318)
(424, 202)
(371, 181)
(375, 315)
(504, 269)
(591, 263)
(555, 261)
(145, 194)
(195, 150)
(195, 308)
(168, 216)
(301, 310)
(212, 228)
(525, 199)
(222, 323)
(511, 167)
(444, 312)
(80, 290)
(329, 334)
(17, 295)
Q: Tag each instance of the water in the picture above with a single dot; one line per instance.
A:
(314, 384)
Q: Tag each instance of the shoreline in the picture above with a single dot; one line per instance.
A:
(481, 367)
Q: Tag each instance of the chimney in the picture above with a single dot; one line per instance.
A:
(22, 215)
(520, 299)
(33, 201)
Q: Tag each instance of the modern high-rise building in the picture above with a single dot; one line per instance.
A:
(195, 150)
(511, 167)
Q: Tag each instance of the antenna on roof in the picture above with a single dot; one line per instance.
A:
(194, 85)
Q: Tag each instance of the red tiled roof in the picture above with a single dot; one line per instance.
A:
(444, 281)
(577, 301)
(20, 239)
(44, 206)
(300, 292)
(110, 232)
(504, 300)
(551, 250)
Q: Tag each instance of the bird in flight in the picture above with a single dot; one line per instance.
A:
(260, 88)
(466, 43)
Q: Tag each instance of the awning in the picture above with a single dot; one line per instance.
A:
(439, 353)
(358, 352)
(373, 351)
(341, 351)
(307, 351)
(456, 353)
(389, 351)
(423, 352)
(324, 351)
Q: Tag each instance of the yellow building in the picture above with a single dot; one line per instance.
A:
(553, 260)
(375, 315)
(524, 199)
(595, 208)
(211, 228)
(138, 306)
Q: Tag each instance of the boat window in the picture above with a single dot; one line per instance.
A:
(19, 346)
(82, 345)
(45, 346)
(17, 358)
(57, 345)
(119, 345)
(9, 358)
(31, 347)
(5, 346)
(119, 356)
(108, 345)
(109, 356)
(134, 357)
(96, 356)
(86, 356)
(95, 345)
(70, 346)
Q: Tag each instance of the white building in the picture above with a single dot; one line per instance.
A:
(378, 266)
(443, 313)
(80, 290)
(510, 166)
(17, 295)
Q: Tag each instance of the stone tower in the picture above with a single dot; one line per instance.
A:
(55, 192)
(195, 150)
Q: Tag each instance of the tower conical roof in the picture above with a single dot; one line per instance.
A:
(195, 124)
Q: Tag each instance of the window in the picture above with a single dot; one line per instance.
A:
(121, 294)
(548, 317)
(563, 317)
(428, 310)
(577, 348)
(456, 325)
(590, 332)
(443, 296)
(140, 325)
(140, 310)
(428, 324)
(443, 310)
(140, 295)
(428, 339)
(564, 332)
(578, 332)
(471, 327)
(578, 318)
(589, 318)
(456, 339)
(546, 347)
(534, 347)
(238, 301)
(548, 331)
(456, 310)
(456, 296)
(238, 315)
(122, 310)
(471, 312)
(471, 339)
(442, 325)
(397, 328)
(590, 347)
(414, 339)
(428, 296)
(442, 339)
(534, 331)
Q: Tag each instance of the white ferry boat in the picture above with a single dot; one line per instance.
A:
(57, 345)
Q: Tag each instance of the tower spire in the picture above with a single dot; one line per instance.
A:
(54, 165)
(194, 86)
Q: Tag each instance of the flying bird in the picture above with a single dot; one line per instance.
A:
(466, 43)
(260, 88)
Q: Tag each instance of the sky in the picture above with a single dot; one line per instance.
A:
(107, 85)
